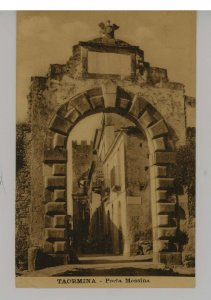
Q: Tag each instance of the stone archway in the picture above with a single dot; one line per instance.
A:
(110, 98)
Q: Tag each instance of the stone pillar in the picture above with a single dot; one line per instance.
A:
(163, 209)
(55, 208)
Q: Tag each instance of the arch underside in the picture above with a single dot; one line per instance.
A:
(111, 98)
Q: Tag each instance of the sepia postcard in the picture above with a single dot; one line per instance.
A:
(105, 149)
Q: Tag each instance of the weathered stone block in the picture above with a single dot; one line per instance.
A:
(159, 144)
(162, 245)
(59, 140)
(57, 155)
(170, 258)
(59, 195)
(55, 182)
(47, 169)
(72, 115)
(48, 195)
(124, 103)
(60, 125)
(48, 221)
(163, 220)
(165, 208)
(59, 169)
(161, 195)
(166, 232)
(32, 257)
(56, 71)
(160, 171)
(138, 106)
(59, 247)
(109, 94)
(158, 129)
(97, 101)
(146, 119)
(166, 246)
(81, 103)
(164, 183)
(38, 82)
(95, 92)
(48, 247)
(55, 208)
(59, 221)
(164, 158)
(156, 75)
(58, 234)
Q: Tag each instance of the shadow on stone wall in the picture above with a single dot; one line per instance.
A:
(106, 238)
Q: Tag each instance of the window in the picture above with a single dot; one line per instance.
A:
(113, 176)
(114, 179)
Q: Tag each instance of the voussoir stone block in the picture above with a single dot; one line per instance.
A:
(164, 158)
(81, 103)
(95, 92)
(124, 103)
(165, 208)
(59, 195)
(59, 221)
(163, 220)
(123, 99)
(58, 234)
(56, 155)
(166, 232)
(60, 125)
(158, 129)
(159, 144)
(55, 182)
(164, 183)
(55, 208)
(72, 115)
(59, 247)
(59, 140)
(59, 169)
(146, 119)
(138, 106)
(109, 94)
(97, 101)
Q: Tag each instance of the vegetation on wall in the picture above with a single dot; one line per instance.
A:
(185, 172)
(22, 193)
(21, 130)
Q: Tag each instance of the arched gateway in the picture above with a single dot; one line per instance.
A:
(70, 93)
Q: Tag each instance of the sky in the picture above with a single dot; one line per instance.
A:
(44, 38)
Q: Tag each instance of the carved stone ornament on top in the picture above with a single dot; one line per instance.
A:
(108, 30)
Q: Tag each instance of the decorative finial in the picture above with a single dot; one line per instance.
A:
(107, 29)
